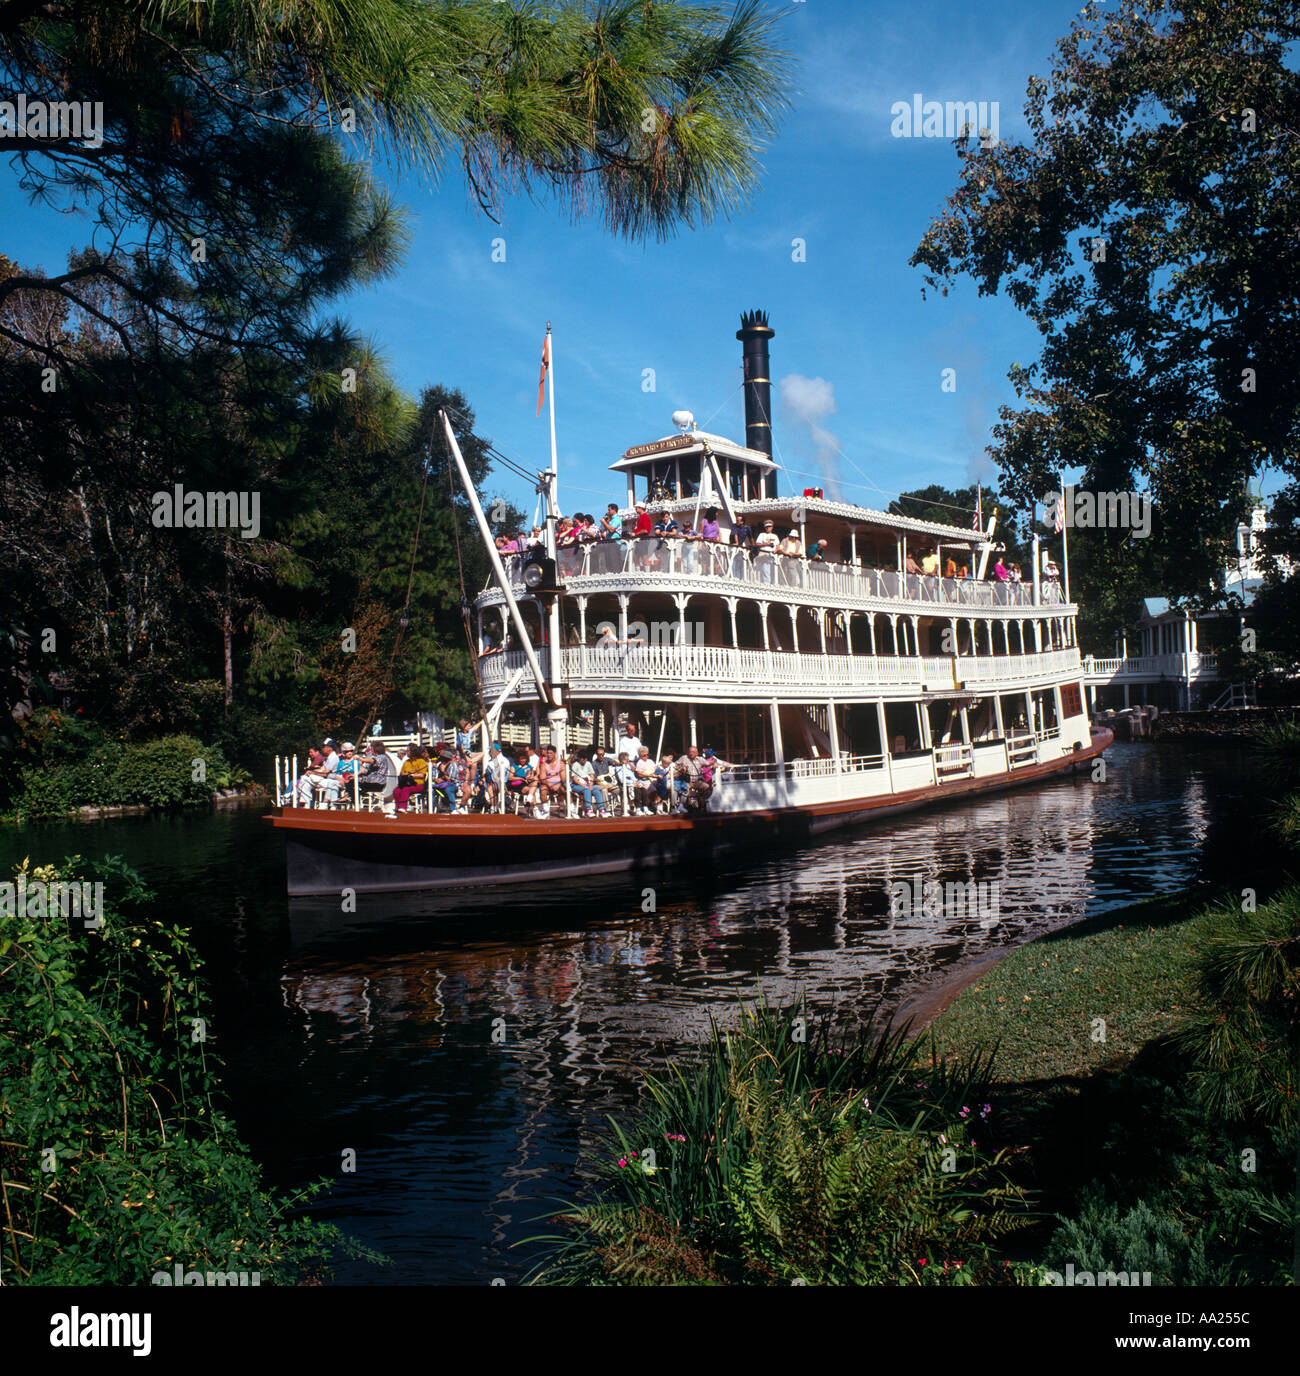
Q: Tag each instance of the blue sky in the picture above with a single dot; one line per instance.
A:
(850, 315)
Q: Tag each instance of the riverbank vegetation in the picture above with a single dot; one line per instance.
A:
(64, 762)
(117, 1157)
(1120, 1096)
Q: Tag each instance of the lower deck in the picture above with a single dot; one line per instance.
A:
(331, 851)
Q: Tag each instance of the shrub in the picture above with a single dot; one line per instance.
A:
(1244, 1047)
(117, 1159)
(785, 1154)
(101, 773)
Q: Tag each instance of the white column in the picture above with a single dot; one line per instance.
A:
(835, 734)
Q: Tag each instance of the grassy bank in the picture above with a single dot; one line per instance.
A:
(1135, 969)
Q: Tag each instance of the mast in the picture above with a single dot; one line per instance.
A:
(544, 688)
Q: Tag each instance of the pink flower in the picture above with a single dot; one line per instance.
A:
(623, 1161)
(920, 1261)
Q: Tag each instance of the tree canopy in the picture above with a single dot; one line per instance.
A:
(232, 179)
(1150, 229)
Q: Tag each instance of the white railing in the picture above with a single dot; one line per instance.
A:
(756, 670)
(673, 558)
(952, 761)
(1022, 748)
(1181, 665)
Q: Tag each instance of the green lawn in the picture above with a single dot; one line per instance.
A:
(1132, 968)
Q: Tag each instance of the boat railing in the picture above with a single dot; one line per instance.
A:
(1022, 748)
(952, 761)
(724, 665)
(670, 557)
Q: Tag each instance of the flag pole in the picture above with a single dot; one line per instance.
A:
(1065, 548)
(550, 369)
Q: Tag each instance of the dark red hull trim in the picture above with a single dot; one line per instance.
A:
(327, 852)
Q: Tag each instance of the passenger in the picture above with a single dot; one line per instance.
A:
(817, 555)
(374, 770)
(709, 525)
(645, 794)
(446, 782)
(550, 781)
(608, 529)
(605, 771)
(413, 777)
(347, 766)
(767, 545)
(950, 568)
(643, 526)
(930, 562)
(911, 565)
(517, 780)
(699, 780)
(582, 775)
(315, 776)
(1000, 571)
(792, 545)
(470, 757)
(742, 534)
(664, 781)
(496, 770)
(629, 744)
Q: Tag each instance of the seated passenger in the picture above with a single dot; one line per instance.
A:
(698, 775)
(413, 776)
(517, 780)
(550, 785)
(582, 776)
(645, 794)
(496, 770)
(374, 770)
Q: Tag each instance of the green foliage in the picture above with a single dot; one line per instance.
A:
(786, 1154)
(117, 1159)
(1244, 1045)
(74, 765)
(1159, 123)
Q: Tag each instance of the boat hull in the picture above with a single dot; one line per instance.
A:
(327, 852)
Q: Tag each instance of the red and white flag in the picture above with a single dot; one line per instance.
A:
(1058, 516)
(546, 367)
(977, 522)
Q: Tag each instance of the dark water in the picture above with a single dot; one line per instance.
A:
(375, 1031)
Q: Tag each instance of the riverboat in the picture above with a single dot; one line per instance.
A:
(835, 690)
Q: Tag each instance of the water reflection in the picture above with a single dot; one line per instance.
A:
(466, 1045)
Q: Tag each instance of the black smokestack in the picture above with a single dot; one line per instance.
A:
(754, 332)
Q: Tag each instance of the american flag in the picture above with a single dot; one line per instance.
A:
(1058, 516)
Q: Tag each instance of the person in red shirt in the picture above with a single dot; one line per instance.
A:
(643, 525)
